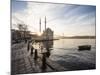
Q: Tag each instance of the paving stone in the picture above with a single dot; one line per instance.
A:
(23, 62)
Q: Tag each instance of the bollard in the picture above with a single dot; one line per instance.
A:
(32, 50)
(35, 55)
(28, 47)
(43, 62)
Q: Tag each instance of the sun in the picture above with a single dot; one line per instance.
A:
(39, 33)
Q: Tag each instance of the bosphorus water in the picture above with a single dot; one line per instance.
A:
(65, 52)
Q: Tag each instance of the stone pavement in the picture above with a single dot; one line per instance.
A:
(22, 62)
(19, 59)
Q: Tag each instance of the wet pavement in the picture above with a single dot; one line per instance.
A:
(57, 59)
(23, 61)
(20, 60)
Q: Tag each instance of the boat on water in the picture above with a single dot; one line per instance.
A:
(84, 47)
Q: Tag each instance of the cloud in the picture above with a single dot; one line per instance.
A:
(60, 17)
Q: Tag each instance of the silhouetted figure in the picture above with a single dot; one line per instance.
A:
(35, 55)
(25, 40)
(48, 54)
(32, 50)
(43, 62)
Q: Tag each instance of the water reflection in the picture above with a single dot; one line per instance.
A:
(48, 45)
(43, 51)
(65, 52)
(44, 46)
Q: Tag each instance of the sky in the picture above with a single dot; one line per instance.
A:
(63, 19)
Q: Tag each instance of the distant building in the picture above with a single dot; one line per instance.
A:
(16, 34)
(47, 34)
(19, 35)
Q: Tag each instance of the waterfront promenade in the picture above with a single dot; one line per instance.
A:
(22, 62)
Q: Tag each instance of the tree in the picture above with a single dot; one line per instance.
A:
(23, 28)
